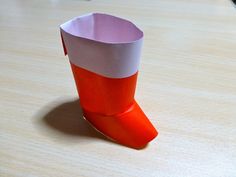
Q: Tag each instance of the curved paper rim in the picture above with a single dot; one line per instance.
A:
(139, 37)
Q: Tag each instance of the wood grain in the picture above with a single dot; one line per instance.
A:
(186, 86)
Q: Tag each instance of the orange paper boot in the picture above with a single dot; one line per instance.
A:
(104, 53)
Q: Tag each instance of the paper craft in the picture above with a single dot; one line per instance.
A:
(104, 53)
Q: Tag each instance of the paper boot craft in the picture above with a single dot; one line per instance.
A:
(104, 53)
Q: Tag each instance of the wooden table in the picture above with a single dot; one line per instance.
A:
(186, 86)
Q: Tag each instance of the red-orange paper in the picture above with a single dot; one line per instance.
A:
(104, 52)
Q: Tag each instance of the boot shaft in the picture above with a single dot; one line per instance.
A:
(104, 95)
(104, 52)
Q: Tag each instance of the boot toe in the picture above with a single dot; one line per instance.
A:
(131, 128)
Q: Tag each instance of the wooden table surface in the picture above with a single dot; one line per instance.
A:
(186, 86)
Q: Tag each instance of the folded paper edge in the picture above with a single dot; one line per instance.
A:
(127, 66)
(100, 41)
(63, 44)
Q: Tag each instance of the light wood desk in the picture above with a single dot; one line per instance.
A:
(186, 85)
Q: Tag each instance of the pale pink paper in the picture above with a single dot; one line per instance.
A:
(103, 44)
